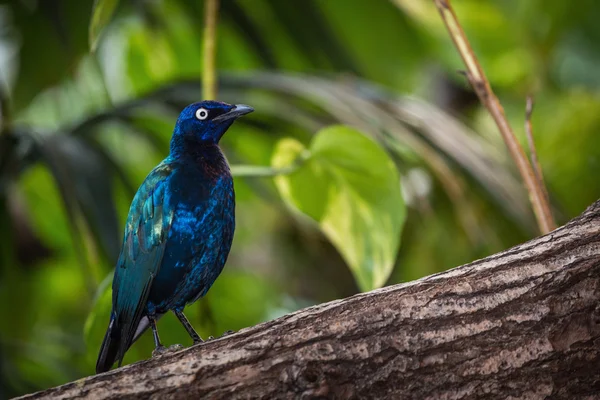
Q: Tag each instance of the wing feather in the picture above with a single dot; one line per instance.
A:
(144, 244)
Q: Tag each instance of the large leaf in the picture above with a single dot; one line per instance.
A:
(50, 32)
(87, 185)
(351, 188)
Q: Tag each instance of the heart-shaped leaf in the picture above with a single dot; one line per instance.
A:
(351, 188)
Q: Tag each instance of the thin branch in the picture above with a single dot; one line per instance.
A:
(480, 84)
(530, 142)
(209, 74)
(537, 168)
(4, 107)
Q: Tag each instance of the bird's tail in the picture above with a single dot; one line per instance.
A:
(110, 346)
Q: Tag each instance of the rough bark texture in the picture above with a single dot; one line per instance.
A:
(524, 323)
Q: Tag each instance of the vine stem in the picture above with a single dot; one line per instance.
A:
(479, 82)
(209, 74)
(256, 171)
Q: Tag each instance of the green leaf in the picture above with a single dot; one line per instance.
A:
(351, 188)
(101, 15)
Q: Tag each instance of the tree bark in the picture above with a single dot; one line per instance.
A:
(524, 323)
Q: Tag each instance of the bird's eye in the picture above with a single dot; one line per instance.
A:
(202, 114)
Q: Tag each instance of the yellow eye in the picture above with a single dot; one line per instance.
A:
(202, 114)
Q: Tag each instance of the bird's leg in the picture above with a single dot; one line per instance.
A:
(188, 327)
(158, 347)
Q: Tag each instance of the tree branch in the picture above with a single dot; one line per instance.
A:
(524, 323)
(481, 85)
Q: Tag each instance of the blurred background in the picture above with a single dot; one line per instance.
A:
(80, 130)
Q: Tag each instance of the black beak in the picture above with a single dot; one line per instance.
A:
(236, 112)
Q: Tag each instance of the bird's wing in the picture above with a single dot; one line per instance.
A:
(146, 233)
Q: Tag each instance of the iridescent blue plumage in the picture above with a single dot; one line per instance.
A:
(178, 232)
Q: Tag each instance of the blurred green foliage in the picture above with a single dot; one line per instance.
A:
(101, 15)
(80, 130)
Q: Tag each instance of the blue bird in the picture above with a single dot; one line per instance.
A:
(178, 233)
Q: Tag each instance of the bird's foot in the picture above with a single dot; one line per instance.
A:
(174, 347)
(161, 350)
(226, 333)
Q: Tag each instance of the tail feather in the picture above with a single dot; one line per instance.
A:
(110, 347)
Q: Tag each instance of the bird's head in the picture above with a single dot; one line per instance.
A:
(207, 121)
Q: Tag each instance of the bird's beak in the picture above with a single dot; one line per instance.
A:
(236, 112)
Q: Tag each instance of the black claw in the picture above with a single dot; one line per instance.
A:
(159, 351)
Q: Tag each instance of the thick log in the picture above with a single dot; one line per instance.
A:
(524, 323)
